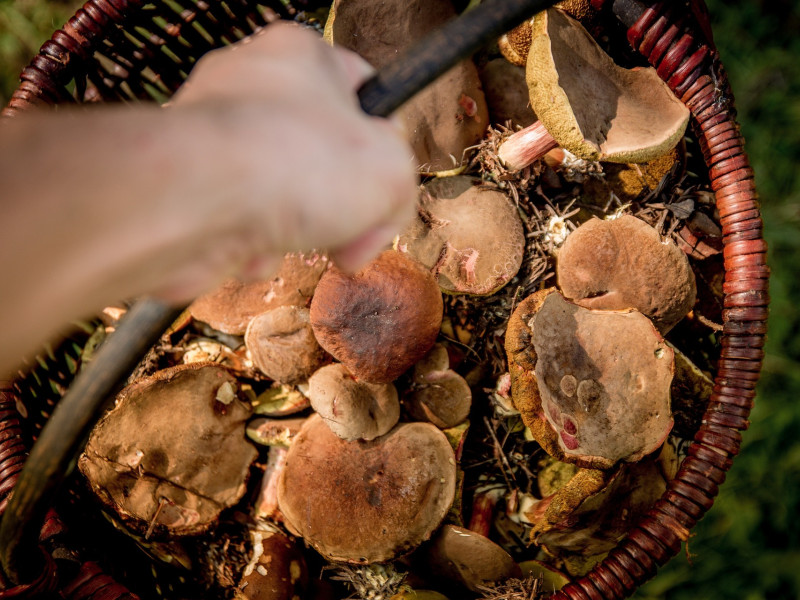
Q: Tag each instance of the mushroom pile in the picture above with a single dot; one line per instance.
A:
(490, 404)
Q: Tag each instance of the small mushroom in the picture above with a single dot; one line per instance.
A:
(445, 118)
(470, 235)
(230, 307)
(623, 263)
(364, 502)
(380, 321)
(592, 385)
(437, 393)
(588, 105)
(506, 93)
(354, 410)
(468, 559)
(149, 459)
(282, 345)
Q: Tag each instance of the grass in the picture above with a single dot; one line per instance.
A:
(748, 546)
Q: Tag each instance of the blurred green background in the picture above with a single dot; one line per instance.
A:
(748, 546)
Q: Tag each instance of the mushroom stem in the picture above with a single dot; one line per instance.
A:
(483, 506)
(267, 507)
(526, 146)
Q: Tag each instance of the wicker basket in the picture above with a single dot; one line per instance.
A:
(129, 50)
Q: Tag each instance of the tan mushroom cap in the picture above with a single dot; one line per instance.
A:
(592, 107)
(364, 502)
(149, 458)
(446, 117)
(469, 235)
(469, 559)
(354, 410)
(282, 344)
(437, 393)
(623, 263)
(381, 320)
(230, 307)
(592, 386)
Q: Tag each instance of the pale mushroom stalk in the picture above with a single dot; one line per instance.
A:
(267, 506)
(526, 146)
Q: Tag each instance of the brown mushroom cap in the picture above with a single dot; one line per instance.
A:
(593, 386)
(446, 117)
(469, 559)
(230, 307)
(592, 107)
(282, 344)
(380, 321)
(437, 393)
(622, 263)
(354, 410)
(471, 236)
(364, 502)
(150, 458)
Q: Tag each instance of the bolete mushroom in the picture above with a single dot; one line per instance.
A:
(592, 385)
(445, 118)
(587, 516)
(364, 502)
(623, 263)
(437, 393)
(354, 410)
(149, 459)
(588, 105)
(282, 345)
(469, 234)
(381, 320)
(468, 559)
(230, 307)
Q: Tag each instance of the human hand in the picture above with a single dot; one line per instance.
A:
(312, 170)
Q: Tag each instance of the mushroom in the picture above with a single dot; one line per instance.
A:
(149, 459)
(282, 345)
(588, 105)
(380, 321)
(516, 44)
(354, 410)
(469, 234)
(437, 393)
(274, 432)
(592, 385)
(468, 559)
(506, 93)
(280, 401)
(276, 569)
(623, 263)
(448, 116)
(230, 307)
(364, 502)
(587, 516)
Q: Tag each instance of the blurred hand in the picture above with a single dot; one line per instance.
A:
(319, 172)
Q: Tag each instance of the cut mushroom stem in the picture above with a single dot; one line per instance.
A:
(483, 508)
(267, 505)
(526, 146)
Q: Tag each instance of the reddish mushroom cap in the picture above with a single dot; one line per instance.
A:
(364, 502)
(380, 321)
